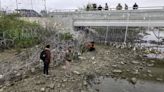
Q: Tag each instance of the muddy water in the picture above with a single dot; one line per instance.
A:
(157, 56)
(153, 36)
(120, 85)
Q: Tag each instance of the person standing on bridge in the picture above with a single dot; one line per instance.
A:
(100, 8)
(106, 7)
(126, 7)
(135, 6)
(119, 7)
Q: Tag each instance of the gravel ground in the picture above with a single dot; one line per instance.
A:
(105, 61)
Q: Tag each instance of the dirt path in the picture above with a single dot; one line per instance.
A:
(7, 54)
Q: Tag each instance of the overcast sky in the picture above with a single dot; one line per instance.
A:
(73, 4)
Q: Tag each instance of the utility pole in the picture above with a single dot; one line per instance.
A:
(125, 38)
(17, 6)
(32, 5)
(1, 11)
(31, 9)
(45, 7)
(0, 6)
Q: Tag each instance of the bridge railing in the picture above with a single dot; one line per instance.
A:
(142, 8)
(129, 8)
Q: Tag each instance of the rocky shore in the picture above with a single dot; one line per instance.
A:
(105, 61)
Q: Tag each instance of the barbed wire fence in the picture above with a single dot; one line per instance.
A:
(30, 57)
(114, 36)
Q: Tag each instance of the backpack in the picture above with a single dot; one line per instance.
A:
(43, 55)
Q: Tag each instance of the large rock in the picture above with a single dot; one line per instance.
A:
(115, 66)
(2, 79)
(76, 72)
(149, 71)
(135, 62)
(64, 80)
(32, 70)
(122, 63)
(135, 72)
(150, 75)
(82, 58)
(93, 58)
(40, 82)
(133, 80)
(18, 77)
(150, 65)
(159, 79)
(1, 76)
(1, 90)
(42, 89)
(52, 85)
(84, 83)
(117, 71)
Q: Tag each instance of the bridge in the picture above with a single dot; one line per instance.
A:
(131, 18)
(115, 18)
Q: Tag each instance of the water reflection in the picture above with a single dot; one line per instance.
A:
(155, 56)
(113, 85)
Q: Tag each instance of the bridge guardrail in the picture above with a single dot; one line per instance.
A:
(110, 9)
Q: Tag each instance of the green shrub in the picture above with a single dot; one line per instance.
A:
(66, 36)
(25, 34)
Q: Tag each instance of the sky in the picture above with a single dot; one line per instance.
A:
(72, 4)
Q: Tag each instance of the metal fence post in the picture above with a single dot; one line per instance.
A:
(106, 37)
(126, 28)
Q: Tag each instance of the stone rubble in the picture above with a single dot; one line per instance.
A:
(159, 79)
(113, 63)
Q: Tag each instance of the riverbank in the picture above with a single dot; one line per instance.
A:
(105, 61)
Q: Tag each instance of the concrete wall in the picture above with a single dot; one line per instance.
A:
(60, 23)
(156, 14)
(66, 20)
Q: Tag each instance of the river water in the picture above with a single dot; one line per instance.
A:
(152, 36)
(120, 85)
